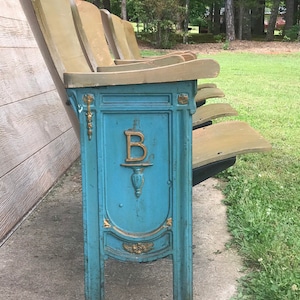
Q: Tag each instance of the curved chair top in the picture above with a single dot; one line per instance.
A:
(60, 35)
(89, 24)
(111, 35)
(131, 39)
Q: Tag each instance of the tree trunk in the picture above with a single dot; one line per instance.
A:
(123, 10)
(158, 35)
(246, 26)
(289, 15)
(273, 19)
(97, 3)
(230, 31)
(258, 18)
(186, 22)
(106, 4)
(216, 28)
(241, 19)
(296, 10)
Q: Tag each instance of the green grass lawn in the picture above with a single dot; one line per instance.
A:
(263, 190)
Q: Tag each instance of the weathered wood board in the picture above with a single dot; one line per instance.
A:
(37, 141)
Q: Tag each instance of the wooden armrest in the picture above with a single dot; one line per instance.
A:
(189, 56)
(209, 92)
(224, 140)
(190, 70)
(212, 111)
(206, 85)
(141, 64)
(126, 67)
(185, 55)
(127, 61)
(164, 61)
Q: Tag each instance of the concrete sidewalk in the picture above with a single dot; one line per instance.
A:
(43, 258)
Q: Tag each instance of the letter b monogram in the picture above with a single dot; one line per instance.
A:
(130, 144)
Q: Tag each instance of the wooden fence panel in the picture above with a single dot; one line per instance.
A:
(37, 141)
(24, 185)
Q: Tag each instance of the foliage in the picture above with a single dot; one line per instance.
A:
(198, 13)
(291, 34)
(160, 16)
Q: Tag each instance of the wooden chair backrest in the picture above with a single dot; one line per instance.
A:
(109, 32)
(88, 22)
(131, 39)
(121, 39)
(56, 22)
(116, 36)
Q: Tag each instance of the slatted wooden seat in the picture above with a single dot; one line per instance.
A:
(225, 140)
(212, 111)
(208, 92)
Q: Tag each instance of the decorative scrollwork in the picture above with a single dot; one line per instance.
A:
(183, 99)
(106, 223)
(137, 177)
(88, 99)
(169, 222)
(138, 248)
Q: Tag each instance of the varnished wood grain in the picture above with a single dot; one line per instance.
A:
(190, 70)
(212, 111)
(208, 92)
(224, 140)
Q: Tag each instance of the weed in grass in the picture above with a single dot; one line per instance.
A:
(266, 231)
(226, 45)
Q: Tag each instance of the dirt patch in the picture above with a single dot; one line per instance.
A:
(243, 46)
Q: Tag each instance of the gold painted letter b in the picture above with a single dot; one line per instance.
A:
(130, 144)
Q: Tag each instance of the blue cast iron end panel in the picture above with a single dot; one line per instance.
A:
(136, 178)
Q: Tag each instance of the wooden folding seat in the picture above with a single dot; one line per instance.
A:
(138, 151)
(212, 111)
(90, 29)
